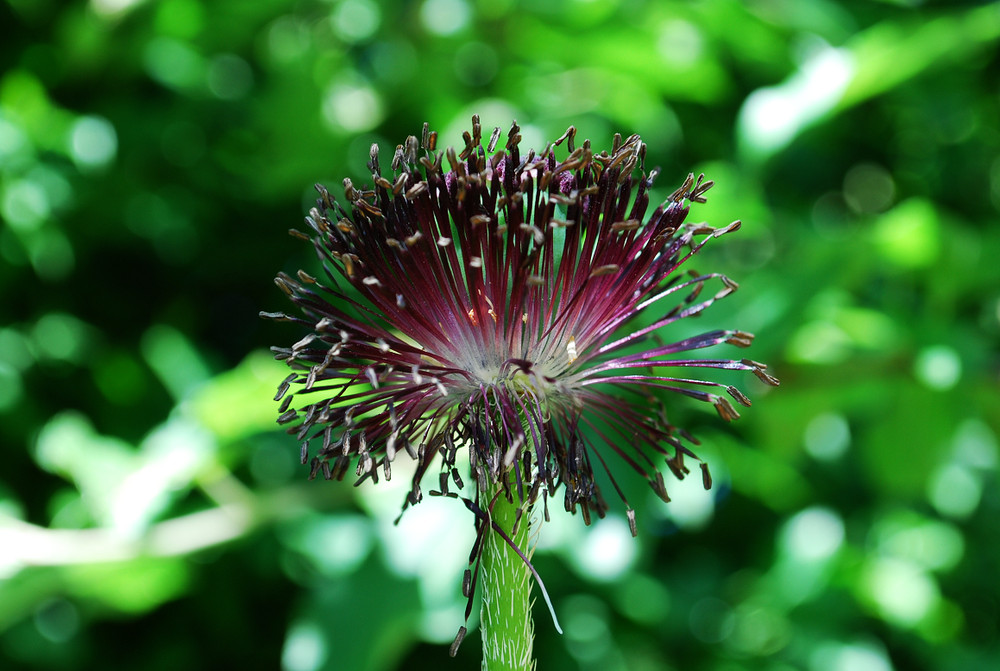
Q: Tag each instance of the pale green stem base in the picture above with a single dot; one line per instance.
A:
(506, 624)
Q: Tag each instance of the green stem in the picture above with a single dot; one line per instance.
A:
(505, 621)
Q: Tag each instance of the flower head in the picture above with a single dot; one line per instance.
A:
(520, 307)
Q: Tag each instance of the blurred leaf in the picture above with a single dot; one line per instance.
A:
(902, 448)
(892, 52)
(761, 476)
(69, 446)
(240, 402)
(134, 586)
(908, 236)
(176, 361)
(363, 623)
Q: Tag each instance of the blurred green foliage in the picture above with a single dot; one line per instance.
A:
(152, 154)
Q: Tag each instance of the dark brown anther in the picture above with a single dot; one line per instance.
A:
(467, 584)
(759, 370)
(327, 439)
(350, 192)
(739, 396)
(627, 169)
(275, 316)
(706, 477)
(630, 513)
(416, 190)
(452, 158)
(283, 387)
(432, 141)
(340, 467)
(543, 180)
(585, 512)
(425, 136)
(513, 133)
(735, 226)
(459, 637)
(480, 161)
(630, 225)
(682, 192)
(676, 465)
(373, 160)
(608, 269)
(569, 135)
(477, 131)
(399, 184)
(700, 187)
(616, 160)
(469, 146)
(304, 452)
(285, 283)
(324, 196)
(658, 487)
(725, 409)
(327, 473)
(493, 139)
(412, 145)
(537, 235)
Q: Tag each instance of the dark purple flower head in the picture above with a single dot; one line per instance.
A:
(519, 307)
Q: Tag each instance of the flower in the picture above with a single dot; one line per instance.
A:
(511, 305)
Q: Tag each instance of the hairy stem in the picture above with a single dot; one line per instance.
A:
(506, 623)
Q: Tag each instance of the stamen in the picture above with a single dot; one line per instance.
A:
(459, 637)
(608, 269)
(706, 477)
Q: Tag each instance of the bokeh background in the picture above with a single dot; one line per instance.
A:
(153, 154)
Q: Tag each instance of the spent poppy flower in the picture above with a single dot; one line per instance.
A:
(516, 306)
